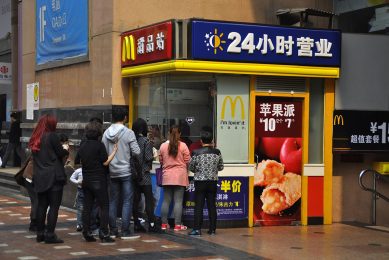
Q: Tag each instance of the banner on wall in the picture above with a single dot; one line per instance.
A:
(360, 131)
(278, 145)
(148, 44)
(233, 118)
(32, 100)
(228, 41)
(61, 30)
(231, 199)
(5, 72)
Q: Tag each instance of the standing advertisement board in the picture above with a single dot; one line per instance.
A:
(231, 199)
(278, 145)
(61, 30)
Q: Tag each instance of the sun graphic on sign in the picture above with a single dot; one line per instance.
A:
(214, 41)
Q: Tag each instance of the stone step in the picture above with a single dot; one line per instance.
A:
(8, 180)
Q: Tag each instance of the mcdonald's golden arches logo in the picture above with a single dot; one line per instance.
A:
(128, 48)
(233, 103)
(338, 120)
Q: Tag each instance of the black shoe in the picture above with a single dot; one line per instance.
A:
(114, 233)
(32, 228)
(79, 228)
(40, 237)
(139, 228)
(53, 239)
(88, 237)
(211, 232)
(107, 239)
(155, 229)
(195, 232)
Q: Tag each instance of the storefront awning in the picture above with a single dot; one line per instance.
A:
(231, 68)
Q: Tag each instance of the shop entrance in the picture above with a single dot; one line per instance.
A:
(278, 153)
(164, 101)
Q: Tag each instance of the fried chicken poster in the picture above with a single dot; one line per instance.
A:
(278, 146)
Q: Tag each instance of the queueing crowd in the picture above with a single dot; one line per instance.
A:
(114, 172)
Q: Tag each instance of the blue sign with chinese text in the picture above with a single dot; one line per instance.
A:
(231, 199)
(222, 41)
(61, 30)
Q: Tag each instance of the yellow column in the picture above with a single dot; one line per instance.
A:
(251, 149)
(329, 102)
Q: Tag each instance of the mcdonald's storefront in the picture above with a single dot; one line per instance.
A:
(268, 94)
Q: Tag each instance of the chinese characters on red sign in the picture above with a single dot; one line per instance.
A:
(278, 118)
(149, 44)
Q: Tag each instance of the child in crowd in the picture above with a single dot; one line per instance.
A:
(76, 178)
(205, 164)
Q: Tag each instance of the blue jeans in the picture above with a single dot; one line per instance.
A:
(79, 206)
(124, 186)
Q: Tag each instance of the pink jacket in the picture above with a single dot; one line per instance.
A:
(175, 170)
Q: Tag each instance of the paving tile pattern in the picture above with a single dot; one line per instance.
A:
(16, 242)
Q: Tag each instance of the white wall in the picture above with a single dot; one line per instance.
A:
(364, 75)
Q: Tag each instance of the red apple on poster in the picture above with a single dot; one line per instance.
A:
(271, 146)
(291, 155)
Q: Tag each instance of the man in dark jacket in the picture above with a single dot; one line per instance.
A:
(14, 140)
(205, 163)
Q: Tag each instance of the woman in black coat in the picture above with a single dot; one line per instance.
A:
(49, 176)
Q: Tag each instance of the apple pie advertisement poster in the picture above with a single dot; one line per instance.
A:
(278, 146)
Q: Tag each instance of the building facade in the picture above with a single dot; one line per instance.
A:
(193, 87)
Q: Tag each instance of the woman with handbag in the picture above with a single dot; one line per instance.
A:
(49, 176)
(174, 158)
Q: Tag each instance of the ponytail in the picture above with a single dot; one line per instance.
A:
(174, 140)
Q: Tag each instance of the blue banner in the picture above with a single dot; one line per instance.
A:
(222, 41)
(61, 30)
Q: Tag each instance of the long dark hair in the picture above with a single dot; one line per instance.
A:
(46, 123)
(174, 140)
(140, 127)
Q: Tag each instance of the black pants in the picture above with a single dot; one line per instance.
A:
(11, 147)
(96, 190)
(49, 199)
(149, 201)
(205, 190)
(34, 202)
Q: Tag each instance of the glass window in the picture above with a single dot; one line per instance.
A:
(167, 100)
(316, 114)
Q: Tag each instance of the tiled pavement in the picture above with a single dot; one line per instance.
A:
(336, 241)
(17, 243)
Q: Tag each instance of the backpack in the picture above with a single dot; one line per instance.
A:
(136, 163)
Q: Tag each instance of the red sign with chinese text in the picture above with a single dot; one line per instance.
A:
(278, 117)
(145, 45)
